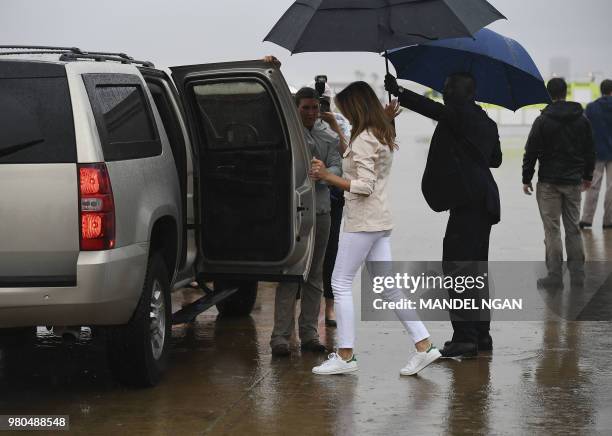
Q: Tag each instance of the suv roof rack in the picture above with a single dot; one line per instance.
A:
(101, 57)
(72, 53)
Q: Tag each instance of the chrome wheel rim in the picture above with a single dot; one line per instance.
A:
(157, 316)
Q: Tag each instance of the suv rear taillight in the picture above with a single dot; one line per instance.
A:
(96, 208)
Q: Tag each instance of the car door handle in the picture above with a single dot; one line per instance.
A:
(226, 167)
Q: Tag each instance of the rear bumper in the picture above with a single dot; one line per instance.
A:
(109, 284)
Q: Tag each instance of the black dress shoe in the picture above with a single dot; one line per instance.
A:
(281, 350)
(584, 225)
(330, 323)
(460, 349)
(485, 343)
(314, 346)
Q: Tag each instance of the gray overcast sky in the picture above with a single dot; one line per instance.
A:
(199, 31)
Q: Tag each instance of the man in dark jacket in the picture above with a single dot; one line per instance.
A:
(465, 131)
(599, 114)
(562, 141)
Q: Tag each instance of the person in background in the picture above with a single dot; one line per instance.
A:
(326, 100)
(561, 140)
(599, 114)
(323, 140)
(337, 206)
(336, 199)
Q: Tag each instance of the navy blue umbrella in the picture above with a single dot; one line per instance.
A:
(504, 72)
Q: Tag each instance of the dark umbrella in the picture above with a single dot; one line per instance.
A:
(376, 25)
(504, 72)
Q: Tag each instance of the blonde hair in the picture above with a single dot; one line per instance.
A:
(360, 105)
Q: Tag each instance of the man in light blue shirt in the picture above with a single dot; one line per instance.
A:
(324, 139)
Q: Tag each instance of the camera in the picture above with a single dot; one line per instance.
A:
(320, 82)
(324, 102)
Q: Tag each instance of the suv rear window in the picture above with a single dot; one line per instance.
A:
(36, 124)
(123, 116)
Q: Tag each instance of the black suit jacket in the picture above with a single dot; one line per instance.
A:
(468, 128)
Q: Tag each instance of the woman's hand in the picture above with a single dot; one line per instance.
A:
(318, 170)
(393, 109)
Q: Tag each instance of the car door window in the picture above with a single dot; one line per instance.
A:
(238, 115)
(246, 163)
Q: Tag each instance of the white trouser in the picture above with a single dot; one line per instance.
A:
(355, 248)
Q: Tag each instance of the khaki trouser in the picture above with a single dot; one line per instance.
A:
(590, 199)
(310, 296)
(556, 202)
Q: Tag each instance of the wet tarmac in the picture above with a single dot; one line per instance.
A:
(548, 377)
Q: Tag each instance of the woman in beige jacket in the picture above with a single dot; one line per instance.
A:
(367, 222)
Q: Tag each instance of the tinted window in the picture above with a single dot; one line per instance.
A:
(123, 116)
(238, 114)
(36, 124)
(124, 113)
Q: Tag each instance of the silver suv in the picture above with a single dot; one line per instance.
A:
(120, 182)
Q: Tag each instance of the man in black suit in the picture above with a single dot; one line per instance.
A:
(465, 140)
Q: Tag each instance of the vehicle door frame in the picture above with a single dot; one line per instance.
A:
(302, 197)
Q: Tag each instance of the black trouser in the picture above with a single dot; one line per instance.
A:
(337, 204)
(466, 242)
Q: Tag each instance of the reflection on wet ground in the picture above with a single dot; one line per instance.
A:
(550, 377)
(543, 377)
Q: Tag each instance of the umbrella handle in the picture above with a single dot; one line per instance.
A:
(387, 66)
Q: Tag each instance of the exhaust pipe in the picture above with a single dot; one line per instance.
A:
(69, 334)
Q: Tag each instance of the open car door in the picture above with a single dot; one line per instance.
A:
(255, 203)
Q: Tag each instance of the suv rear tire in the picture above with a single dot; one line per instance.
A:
(241, 302)
(138, 351)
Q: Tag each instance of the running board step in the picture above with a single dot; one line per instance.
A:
(189, 313)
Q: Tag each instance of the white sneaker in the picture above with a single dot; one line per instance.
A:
(336, 365)
(418, 361)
